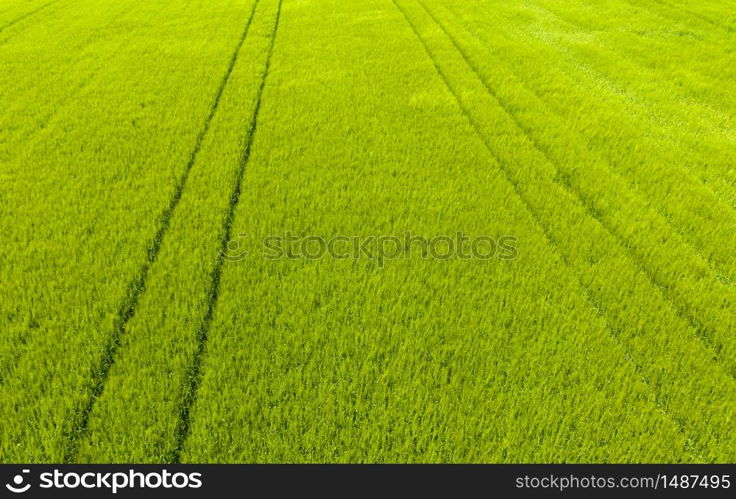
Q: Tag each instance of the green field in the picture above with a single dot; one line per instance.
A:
(149, 150)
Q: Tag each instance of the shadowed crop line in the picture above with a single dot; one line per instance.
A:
(627, 183)
(688, 172)
(67, 102)
(26, 15)
(643, 104)
(703, 332)
(195, 371)
(137, 285)
(545, 229)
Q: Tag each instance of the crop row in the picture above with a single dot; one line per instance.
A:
(419, 360)
(659, 340)
(552, 110)
(142, 414)
(146, 137)
(84, 192)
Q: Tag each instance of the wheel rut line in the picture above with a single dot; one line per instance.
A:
(137, 286)
(26, 15)
(79, 89)
(687, 172)
(543, 150)
(195, 371)
(701, 331)
(547, 233)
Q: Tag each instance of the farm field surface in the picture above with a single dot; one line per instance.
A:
(235, 231)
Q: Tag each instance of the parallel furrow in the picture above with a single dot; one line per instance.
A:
(532, 211)
(711, 203)
(136, 287)
(27, 15)
(704, 332)
(195, 374)
(624, 335)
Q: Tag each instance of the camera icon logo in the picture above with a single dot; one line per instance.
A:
(234, 250)
(17, 486)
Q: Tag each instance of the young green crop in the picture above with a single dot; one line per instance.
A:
(83, 192)
(156, 363)
(345, 361)
(590, 160)
(140, 140)
(658, 65)
(602, 263)
(694, 139)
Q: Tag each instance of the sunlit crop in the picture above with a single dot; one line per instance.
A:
(505, 231)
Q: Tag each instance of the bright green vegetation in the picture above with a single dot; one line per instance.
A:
(138, 138)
